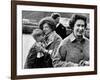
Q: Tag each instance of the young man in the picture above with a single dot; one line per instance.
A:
(60, 29)
(38, 56)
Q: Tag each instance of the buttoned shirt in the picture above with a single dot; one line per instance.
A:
(71, 50)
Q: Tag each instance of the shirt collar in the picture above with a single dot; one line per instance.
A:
(57, 25)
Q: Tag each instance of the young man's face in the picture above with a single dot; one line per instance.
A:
(79, 28)
(40, 38)
(57, 20)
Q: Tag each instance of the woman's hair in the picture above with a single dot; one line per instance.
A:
(49, 21)
(76, 17)
(55, 15)
(36, 33)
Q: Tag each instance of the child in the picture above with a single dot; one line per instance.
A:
(38, 56)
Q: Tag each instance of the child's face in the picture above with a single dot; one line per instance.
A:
(40, 38)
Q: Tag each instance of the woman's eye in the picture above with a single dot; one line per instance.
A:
(83, 25)
(78, 25)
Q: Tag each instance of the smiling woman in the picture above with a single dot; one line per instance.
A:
(74, 49)
(52, 39)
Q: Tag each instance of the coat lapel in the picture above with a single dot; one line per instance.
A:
(51, 38)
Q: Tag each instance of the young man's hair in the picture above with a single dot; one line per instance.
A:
(55, 15)
(36, 33)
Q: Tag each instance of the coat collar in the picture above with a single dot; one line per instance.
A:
(73, 38)
(51, 37)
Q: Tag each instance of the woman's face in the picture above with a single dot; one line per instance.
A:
(46, 28)
(79, 28)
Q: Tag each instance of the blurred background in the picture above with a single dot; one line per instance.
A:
(30, 20)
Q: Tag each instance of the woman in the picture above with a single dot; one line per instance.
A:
(52, 39)
(74, 49)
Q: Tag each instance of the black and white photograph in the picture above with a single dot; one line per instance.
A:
(46, 31)
(55, 40)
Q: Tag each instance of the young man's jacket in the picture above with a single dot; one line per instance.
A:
(33, 62)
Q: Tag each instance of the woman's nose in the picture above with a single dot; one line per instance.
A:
(44, 28)
(81, 28)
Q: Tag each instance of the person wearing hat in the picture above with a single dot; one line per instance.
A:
(52, 39)
(38, 56)
(74, 49)
(60, 28)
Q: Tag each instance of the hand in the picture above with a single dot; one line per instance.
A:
(83, 63)
(70, 64)
(50, 52)
(38, 47)
(87, 63)
(41, 48)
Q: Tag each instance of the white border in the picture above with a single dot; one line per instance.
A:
(21, 71)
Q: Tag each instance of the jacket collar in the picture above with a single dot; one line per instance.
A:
(73, 38)
(51, 37)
